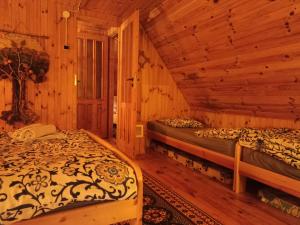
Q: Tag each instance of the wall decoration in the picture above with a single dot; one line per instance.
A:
(21, 59)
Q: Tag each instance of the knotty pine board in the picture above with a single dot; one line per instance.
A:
(160, 97)
(229, 120)
(54, 100)
(233, 56)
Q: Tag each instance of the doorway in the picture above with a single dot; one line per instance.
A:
(92, 83)
(113, 84)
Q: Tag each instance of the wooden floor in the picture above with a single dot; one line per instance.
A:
(212, 197)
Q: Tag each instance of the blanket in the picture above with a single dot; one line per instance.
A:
(223, 133)
(182, 123)
(45, 175)
(281, 143)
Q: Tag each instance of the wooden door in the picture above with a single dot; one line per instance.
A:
(127, 85)
(92, 84)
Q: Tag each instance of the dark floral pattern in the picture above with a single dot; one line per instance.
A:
(183, 123)
(157, 215)
(280, 143)
(45, 175)
(112, 172)
(223, 133)
(148, 200)
(39, 182)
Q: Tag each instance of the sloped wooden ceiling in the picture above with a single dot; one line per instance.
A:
(236, 56)
(118, 8)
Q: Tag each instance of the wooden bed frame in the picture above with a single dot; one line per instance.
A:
(242, 170)
(195, 150)
(245, 170)
(102, 213)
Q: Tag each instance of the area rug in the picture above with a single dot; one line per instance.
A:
(162, 206)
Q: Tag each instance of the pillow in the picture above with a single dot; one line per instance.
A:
(222, 133)
(182, 123)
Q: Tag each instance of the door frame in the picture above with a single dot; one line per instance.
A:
(113, 63)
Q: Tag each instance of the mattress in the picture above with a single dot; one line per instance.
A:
(47, 175)
(226, 147)
(268, 162)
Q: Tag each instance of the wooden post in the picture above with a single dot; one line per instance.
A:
(239, 183)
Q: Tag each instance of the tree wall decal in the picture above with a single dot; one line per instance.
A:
(19, 63)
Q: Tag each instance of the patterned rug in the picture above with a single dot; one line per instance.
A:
(164, 207)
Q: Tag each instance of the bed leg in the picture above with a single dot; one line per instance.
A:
(239, 183)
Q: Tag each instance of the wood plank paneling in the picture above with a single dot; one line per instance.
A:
(226, 120)
(229, 58)
(54, 100)
(160, 97)
(234, 56)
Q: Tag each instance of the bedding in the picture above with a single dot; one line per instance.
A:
(50, 174)
(223, 133)
(253, 138)
(280, 143)
(223, 146)
(182, 123)
(277, 199)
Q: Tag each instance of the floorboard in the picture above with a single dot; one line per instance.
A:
(211, 196)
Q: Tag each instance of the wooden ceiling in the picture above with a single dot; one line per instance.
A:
(118, 8)
(237, 56)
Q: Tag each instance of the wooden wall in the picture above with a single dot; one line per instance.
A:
(226, 120)
(232, 56)
(160, 97)
(54, 100)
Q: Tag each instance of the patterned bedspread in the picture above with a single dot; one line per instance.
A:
(280, 143)
(45, 175)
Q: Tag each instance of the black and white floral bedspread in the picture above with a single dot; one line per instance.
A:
(280, 143)
(45, 175)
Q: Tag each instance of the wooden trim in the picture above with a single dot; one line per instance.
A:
(270, 178)
(115, 212)
(201, 152)
(25, 34)
(111, 82)
(103, 213)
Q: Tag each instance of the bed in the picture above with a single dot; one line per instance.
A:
(265, 169)
(216, 150)
(78, 180)
(228, 153)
